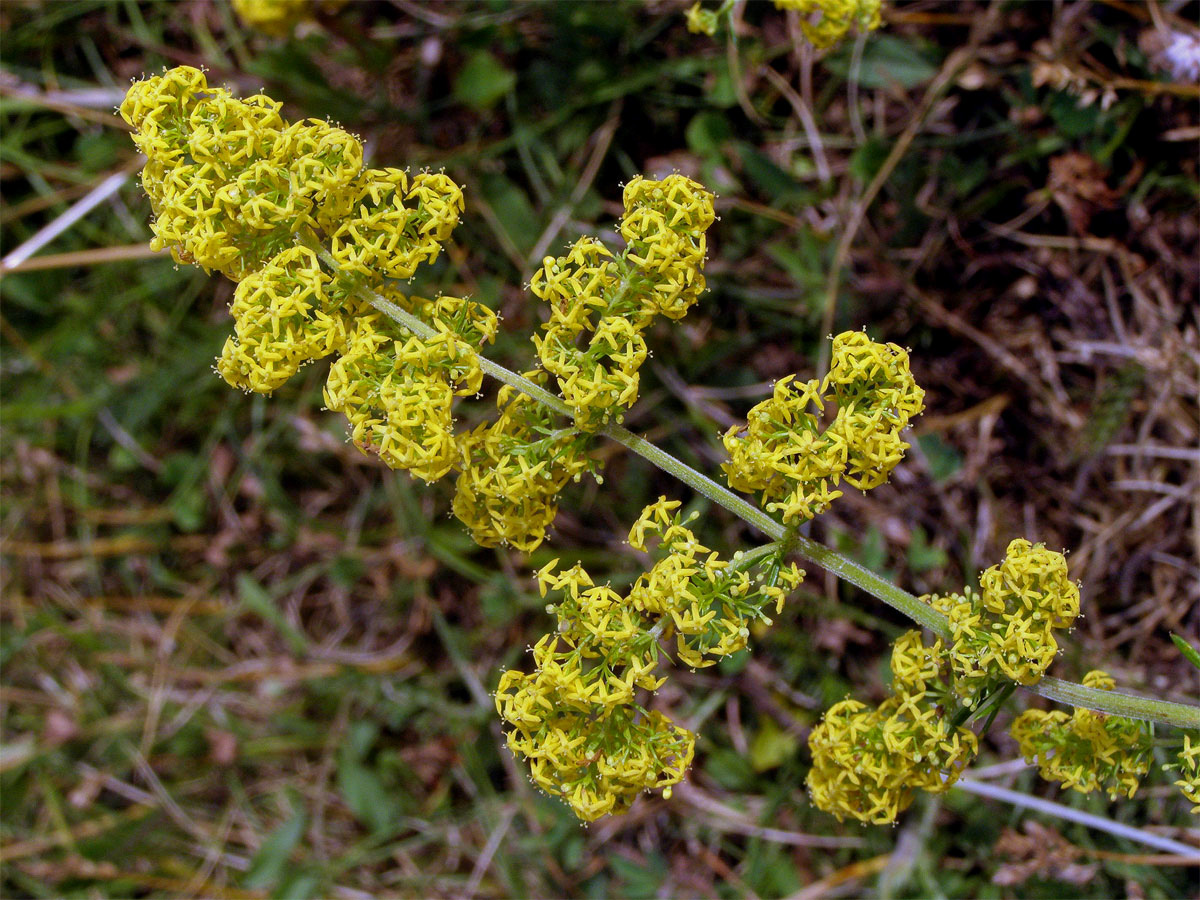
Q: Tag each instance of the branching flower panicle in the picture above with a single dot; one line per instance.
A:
(1006, 630)
(600, 303)
(1086, 751)
(576, 718)
(868, 762)
(279, 17)
(783, 452)
(1188, 766)
(513, 470)
(319, 246)
(232, 185)
(826, 22)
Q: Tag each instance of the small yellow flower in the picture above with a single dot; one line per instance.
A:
(585, 739)
(701, 21)
(1188, 766)
(513, 469)
(576, 719)
(285, 315)
(783, 452)
(1087, 750)
(600, 303)
(389, 226)
(278, 17)
(229, 181)
(868, 762)
(1005, 631)
(826, 22)
(397, 390)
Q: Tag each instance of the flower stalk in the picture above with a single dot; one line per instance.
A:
(1179, 715)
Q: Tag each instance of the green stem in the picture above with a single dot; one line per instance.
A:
(748, 558)
(1181, 715)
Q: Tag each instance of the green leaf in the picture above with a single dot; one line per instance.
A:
(872, 552)
(298, 885)
(887, 61)
(771, 747)
(707, 134)
(641, 880)
(772, 181)
(730, 769)
(269, 863)
(360, 739)
(1189, 652)
(365, 794)
(363, 791)
(482, 81)
(868, 158)
(943, 460)
(513, 211)
(922, 556)
(259, 602)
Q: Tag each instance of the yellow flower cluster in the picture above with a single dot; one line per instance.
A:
(231, 184)
(701, 21)
(783, 452)
(513, 469)
(869, 761)
(384, 224)
(1188, 766)
(596, 755)
(397, 389)
(576, 718)
(1087, 750)
(1007, 629)
(826, 22)
(285, 314)
(600, 303)
(705, 602)
(229, 180)
(279, 17)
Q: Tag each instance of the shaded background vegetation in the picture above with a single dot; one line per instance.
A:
(240, 658)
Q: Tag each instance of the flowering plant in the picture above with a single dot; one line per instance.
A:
(320, 247)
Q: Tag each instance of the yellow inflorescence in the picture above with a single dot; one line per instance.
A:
(826, 22)
(229, 181)
(701, 21)
(513, 470)
(1086, 751)
(232, 185)
(869, 761)
(576, 718)
(384, 223)
(600, 303)
(285, 314)
(783, 452)
(397, 390)
(1007, 629)
(279, 17)
(1188, 766)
